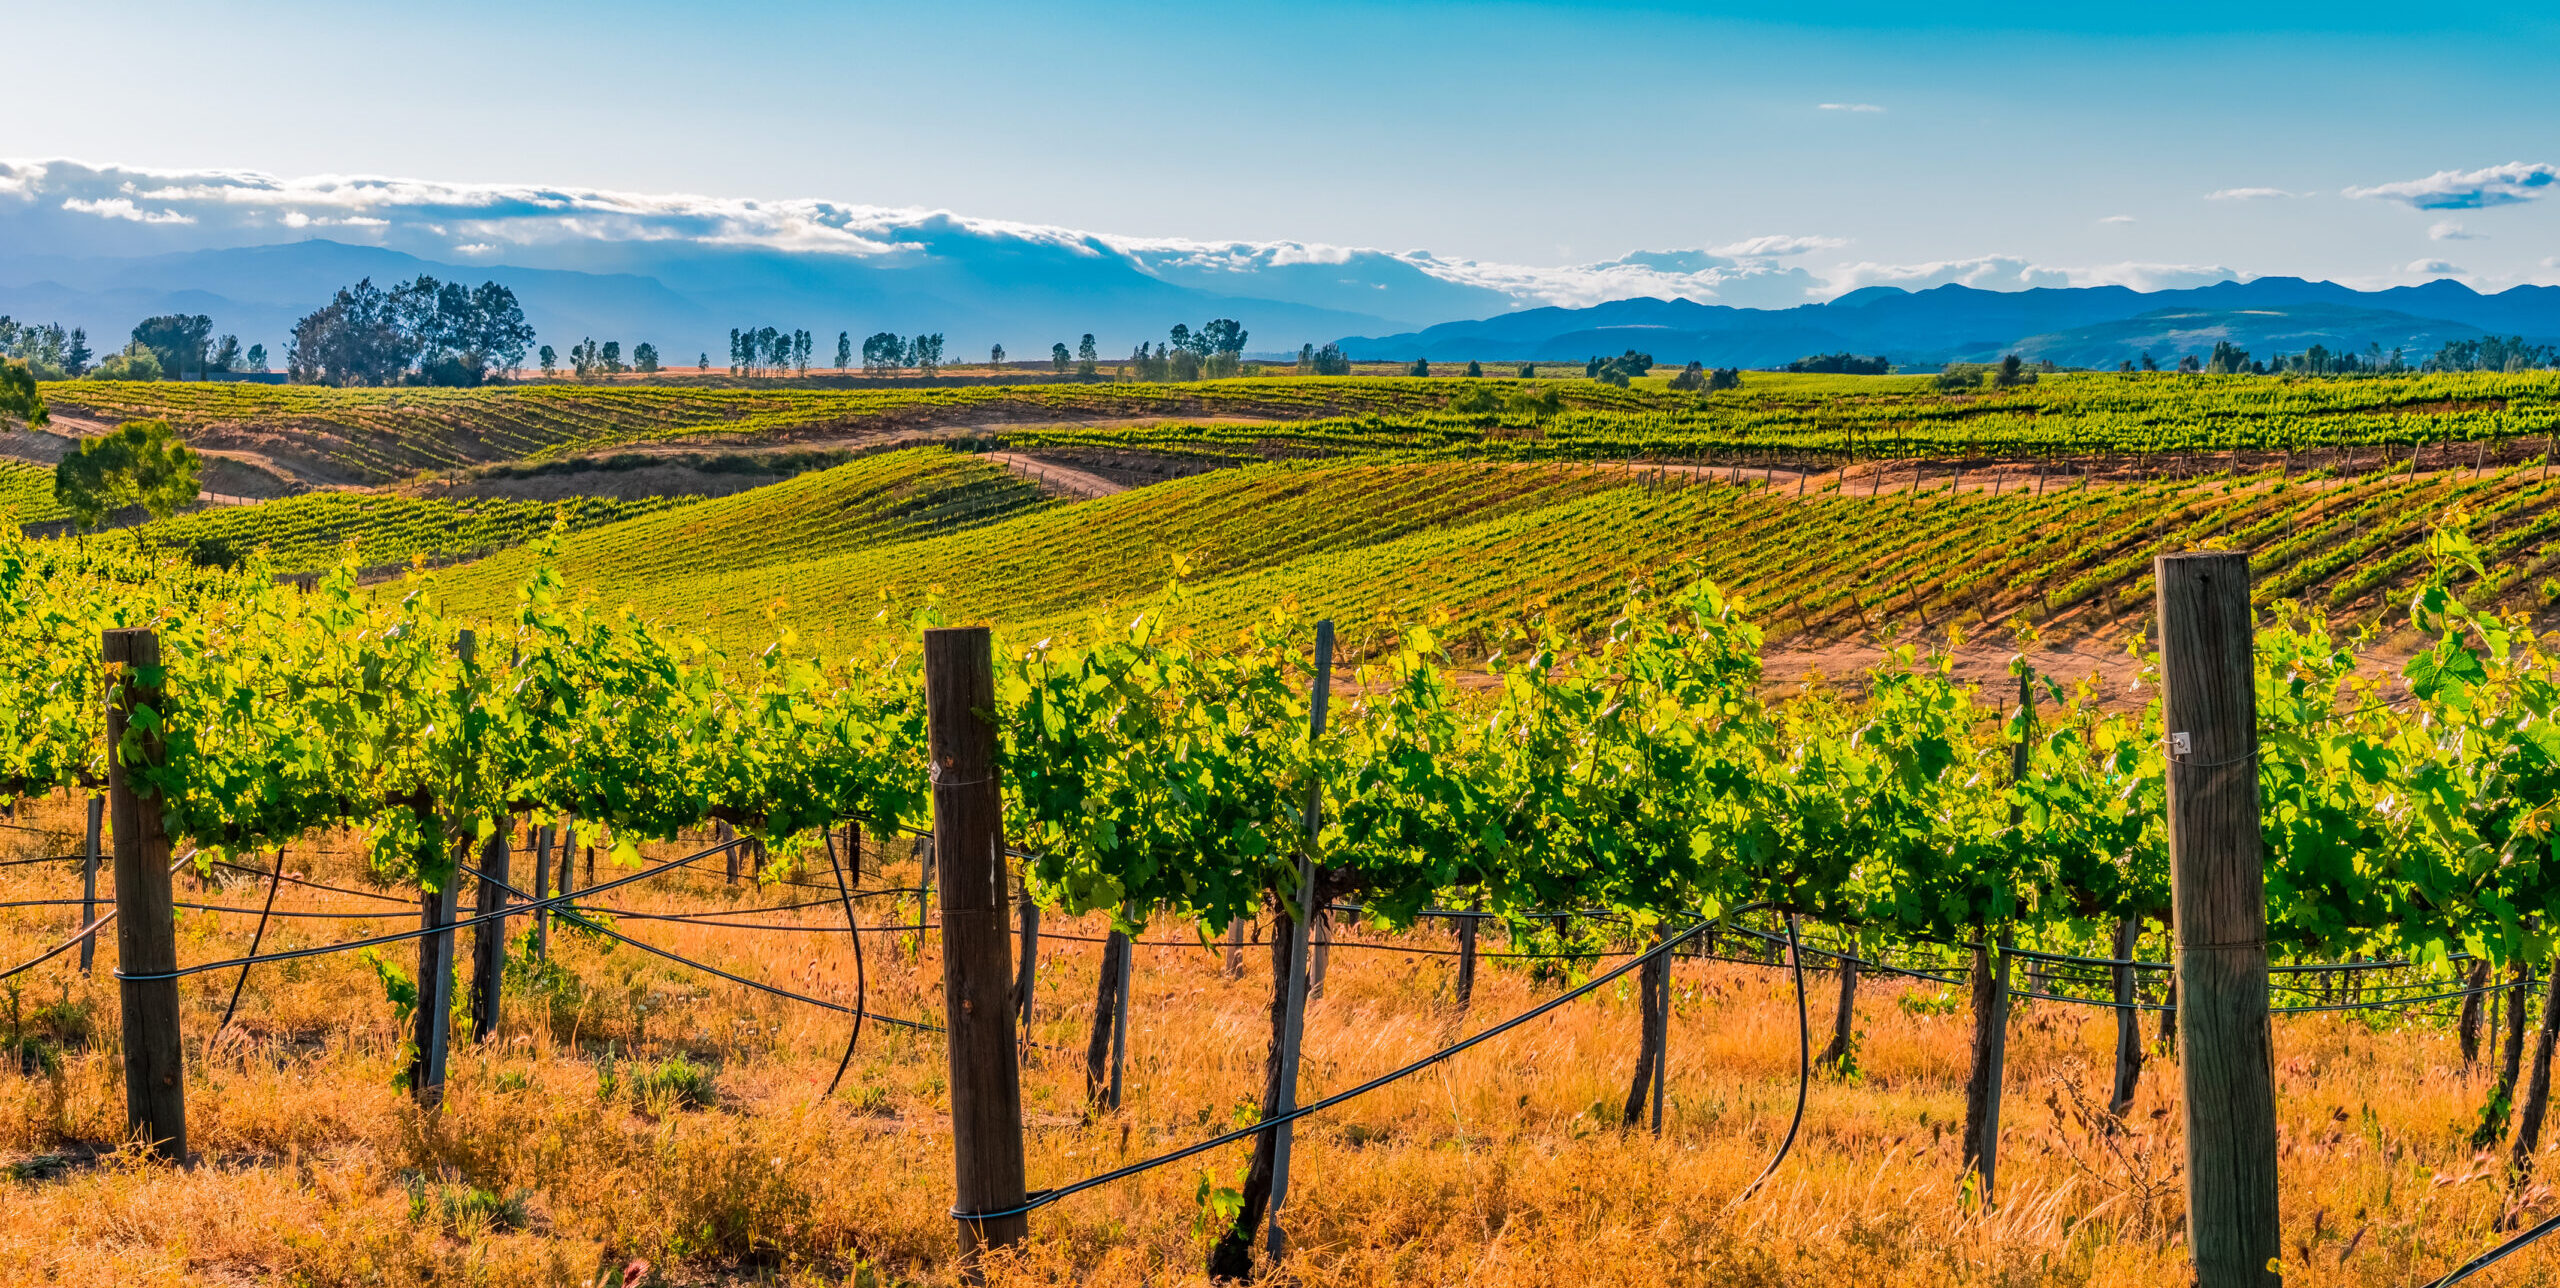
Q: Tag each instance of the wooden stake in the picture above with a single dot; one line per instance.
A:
(542, 892)
(1294, 1018)
(1235, 949)
(2209, 700)
(1026, 974)
(155, 1071)
(89, 882)
(968, 838)
(432, 1022)
(1466, 986)
(489, 933)
(2128, 1020)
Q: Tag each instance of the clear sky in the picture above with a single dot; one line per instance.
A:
(2074, 137)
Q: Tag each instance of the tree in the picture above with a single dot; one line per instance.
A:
(1528, 371)
(225, 355)
(995, 356)
(1724, 378)
(802, 343)
(141, 462)
(1618, 370)
(134, 363)
(611, 359)
(1693, 376)
(18, 398)
(2012, 373)
(75, 357)
(178, 340)
(644, 358)
(1306, 359)
(425, 331)
(1059, 358)
(2188, 365)
(737, 353)
(550, 361)
(257, 359)
(1332, 361)
(1844, 364)
(1476, 369)
(2231, 359)
(1088, 358)
(1420, 367)
(925, 354)
(883, 353)
(844, 351)
(702, 363)
(2149, 363)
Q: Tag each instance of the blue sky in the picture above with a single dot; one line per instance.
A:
(2018, 138)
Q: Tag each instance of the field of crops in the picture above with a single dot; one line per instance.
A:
(2358, 425)
(721, 556)
(315, 530)
(373, 435)
(26, 494)
(1481, 545)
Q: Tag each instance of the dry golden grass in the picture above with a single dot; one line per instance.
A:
(1504, 1167)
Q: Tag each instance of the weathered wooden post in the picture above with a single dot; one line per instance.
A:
(2217, 887)
(1026, 977)
(432, 1022)
(2128, 1019)
(1466, 987)
(1294, 1017)
(489, 934)
(977, 981)
(89, 882)
(155, 1070)
(542, 892)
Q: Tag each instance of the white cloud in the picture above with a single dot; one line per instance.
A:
(2433, 268)
(2498, 185)
(2251, 194)
(123, 208)
(2451, 230)
(1778, 244)
(1847, 107)
(2117, 219)
(475, 248)
(2013, 273)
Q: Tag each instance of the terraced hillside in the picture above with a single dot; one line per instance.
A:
(1482, 546)
(349, 436)
(720, 554)
(26, 494)
(304, 533)
(1060, 560)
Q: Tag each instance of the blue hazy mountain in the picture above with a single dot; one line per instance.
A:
(2073, 325)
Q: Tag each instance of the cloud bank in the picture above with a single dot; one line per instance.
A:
(74, 208)
(2499, 185)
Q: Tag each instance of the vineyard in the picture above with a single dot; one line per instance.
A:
(644, 1064)
(316, 530)
(352, 436)
(1468, 544)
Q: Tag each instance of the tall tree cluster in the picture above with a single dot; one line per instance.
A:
(422, 332)
(1214, 350)
(757, 350)
(49, 352)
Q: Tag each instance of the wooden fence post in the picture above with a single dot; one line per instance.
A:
(1026, 978)
(89, 882)
(489, 933)
(977, 978)
(155, 1071)
(2217, 887)
(2128, 1019)
(1294, 1018)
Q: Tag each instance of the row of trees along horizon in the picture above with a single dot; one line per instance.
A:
(427, 332)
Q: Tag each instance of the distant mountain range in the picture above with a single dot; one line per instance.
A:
(2077, 326)
(684, 298)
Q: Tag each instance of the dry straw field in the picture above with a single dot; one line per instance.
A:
(630, 1110)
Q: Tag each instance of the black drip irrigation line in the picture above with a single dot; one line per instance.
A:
(50, 858)
(2495, 1255)
(575, 915)
(853, 931)
(553, 903)
(274, 884)
(1042, 1198)
(361, 894)
(76, 936)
